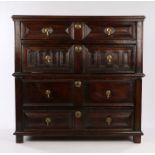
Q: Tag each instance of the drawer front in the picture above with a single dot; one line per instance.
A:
(109, 59)
(48, 120)
(54, 93)
(56, 59)
(109, 92)
(80, 30)
(110, 119)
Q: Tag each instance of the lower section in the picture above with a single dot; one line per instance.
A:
(82, 134)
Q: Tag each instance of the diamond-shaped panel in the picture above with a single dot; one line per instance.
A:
(84, 30)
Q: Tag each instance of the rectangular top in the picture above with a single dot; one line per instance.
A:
(88, 18)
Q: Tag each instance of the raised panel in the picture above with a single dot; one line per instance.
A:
(109, 93)
(108, 30)
(109, 59)
(48, 92)
(48, 59)
(46, 30)
(108, 119)
(46, 120)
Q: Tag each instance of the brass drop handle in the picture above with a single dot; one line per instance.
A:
(109, 59)
(48, 93)
(78, 48)
(48, 121)
(109, 30)
(78, 84)
(108, 94)
(48, 59)
(78, 114)
(47, 31)
(108, 120)
(78, 26)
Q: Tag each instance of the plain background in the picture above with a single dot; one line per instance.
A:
(7, 104)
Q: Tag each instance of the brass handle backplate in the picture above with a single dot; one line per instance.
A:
(109, 59)
(78, 84)
(47, 31)
(109, 30)
(78, 26)
(48, 121)
(78, 48)
(78, 114)
(108, 94)
(48, 93)
(48, 59)
(108, 120)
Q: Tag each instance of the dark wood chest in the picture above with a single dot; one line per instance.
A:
(78, 76)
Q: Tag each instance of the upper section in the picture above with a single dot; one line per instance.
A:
(79, 44)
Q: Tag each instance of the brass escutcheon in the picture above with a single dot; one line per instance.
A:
(78, 114)
(77, 26)
(78, 48)
(47, 31)
(78, 84)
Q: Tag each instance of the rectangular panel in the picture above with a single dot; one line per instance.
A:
(109, 93)
(48, 120)
(109, 30)
(45, 30)
(48, 92)
(56, 58)
(108, 119)
(109, 59)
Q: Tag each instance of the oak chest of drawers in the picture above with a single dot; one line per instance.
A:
(78, 76)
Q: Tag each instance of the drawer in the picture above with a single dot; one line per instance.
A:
(48, 92)
(108, 119)
(45, 58)
(109, 93)
(89, 31)
(109, 59)
(48, 120)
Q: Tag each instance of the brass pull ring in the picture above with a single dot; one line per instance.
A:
(108, 94)
(48, 59)
(108, 120)
(48, 93)
(109, 59)
(48, 121)
(109, 30)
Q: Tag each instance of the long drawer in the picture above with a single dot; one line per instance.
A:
(74, 92)
(79, 119)
(78, 58)
(89, 31)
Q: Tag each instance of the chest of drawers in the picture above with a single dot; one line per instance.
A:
(78, 76)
